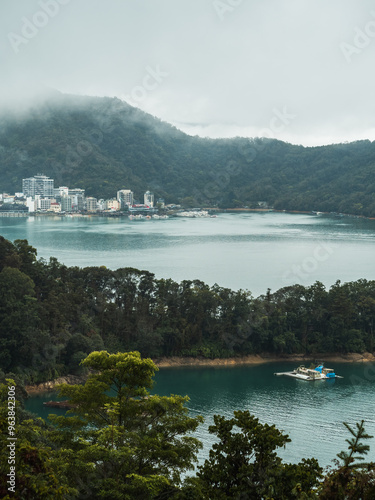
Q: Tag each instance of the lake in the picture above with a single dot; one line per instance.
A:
(252, 251)
(310, 412)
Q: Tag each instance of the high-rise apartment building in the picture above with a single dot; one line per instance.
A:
(148, 199)
(39, 185)
(125, 197)
(66, 203)
(91, 204)
(78, 198)
(61, 191)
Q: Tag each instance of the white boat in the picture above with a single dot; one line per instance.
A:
(318, 373)
(137, 217)
(193, 213)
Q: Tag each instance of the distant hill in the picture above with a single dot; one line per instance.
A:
(104, 144)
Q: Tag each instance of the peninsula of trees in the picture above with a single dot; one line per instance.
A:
(103, 144)
(53, 316)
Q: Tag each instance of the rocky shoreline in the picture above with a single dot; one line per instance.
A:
(175, 362)
(33, 389)
(253, 359)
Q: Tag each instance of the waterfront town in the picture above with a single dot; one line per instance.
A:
(40, 196)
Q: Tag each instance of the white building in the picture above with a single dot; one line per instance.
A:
(112, 204)
(44, 203)
(30, 203)
(66, 203)
(8, 199)
(55, 207)
(91, 204)
(125, 197)
(149, 199)
(38, 185)
(78, 198)
(61, 191)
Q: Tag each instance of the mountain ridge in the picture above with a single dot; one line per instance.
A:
(103, 144)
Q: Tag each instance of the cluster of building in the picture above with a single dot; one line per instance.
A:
(40, 195)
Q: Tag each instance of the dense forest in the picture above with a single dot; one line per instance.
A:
(52, 316)
(119, 442)
(103, 145)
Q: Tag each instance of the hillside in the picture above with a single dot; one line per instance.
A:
(104, 144)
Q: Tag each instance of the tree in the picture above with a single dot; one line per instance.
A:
(351, 480)
(27, 254)
(18, 316)
(36, 474)
(244, 463)
(123, 442)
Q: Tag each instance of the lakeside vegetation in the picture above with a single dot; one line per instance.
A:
(103, 145)
(120, 442)
(52, 316)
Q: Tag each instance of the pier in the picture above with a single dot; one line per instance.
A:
(13, 214)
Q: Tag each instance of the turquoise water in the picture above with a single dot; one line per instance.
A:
(252, 251)
(310, 412)
(248, 251)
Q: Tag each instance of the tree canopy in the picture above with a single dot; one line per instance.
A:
(127, 443)
(52, 316)
(120, 442)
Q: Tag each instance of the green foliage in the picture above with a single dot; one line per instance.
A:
(126, 443)
(53, 316)
(18, 316)
(37, 476)
(351, 480)
(244, 463)
(355, 445)
(123, 443)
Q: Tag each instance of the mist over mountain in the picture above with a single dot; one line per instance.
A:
(104, 144)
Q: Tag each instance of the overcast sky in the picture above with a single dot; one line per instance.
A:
(298, 70)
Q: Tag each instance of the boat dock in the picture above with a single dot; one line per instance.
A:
(317, 373)
(301, 376)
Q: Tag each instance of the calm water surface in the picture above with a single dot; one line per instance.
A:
(310, 412)
(251, 251)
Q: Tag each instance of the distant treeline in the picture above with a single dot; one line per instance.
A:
(52, 316)
(103, 145)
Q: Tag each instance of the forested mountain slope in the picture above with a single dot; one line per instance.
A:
(104, 144)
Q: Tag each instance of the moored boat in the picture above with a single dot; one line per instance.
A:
(318, 373)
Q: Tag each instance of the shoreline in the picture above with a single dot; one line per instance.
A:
(255, 359)
(213, 209)
(184, 362)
